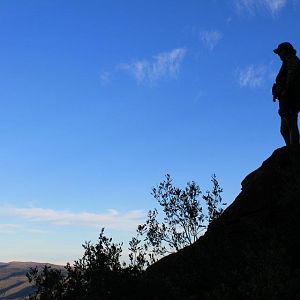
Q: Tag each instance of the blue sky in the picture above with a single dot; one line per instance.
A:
(101, 99)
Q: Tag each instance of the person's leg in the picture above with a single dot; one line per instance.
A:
(284, 130)
(293, 128)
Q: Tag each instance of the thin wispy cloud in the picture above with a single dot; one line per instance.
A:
(14, 228)
(274, 5)
(248, 6)
(253, 6)
(104, 78)
(210, 38)
(9, 228)
(112, 219)
(36, 231)
(162, 65)
(252, 76)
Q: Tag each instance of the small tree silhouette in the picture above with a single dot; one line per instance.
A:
(186, 214)
(48, 283)
(99, 274)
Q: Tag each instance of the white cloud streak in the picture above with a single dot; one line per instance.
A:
(251, 76)
(210, 38)
(9, 228)
(274, 5)
(162, 65)
(112, 219)
(104, 78)
(252, 6)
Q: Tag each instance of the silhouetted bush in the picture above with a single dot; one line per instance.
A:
(182, 219)
(100, 274)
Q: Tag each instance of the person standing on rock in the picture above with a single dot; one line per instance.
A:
(287, 90)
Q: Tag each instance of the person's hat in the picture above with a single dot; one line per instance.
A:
(284, 46)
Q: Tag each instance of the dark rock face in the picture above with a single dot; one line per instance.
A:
(251, 252)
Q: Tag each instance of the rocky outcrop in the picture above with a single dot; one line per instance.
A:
(251, 252)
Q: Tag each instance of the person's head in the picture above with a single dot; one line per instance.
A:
(284, 49)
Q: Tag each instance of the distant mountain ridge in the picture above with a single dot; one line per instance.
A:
(13, 281)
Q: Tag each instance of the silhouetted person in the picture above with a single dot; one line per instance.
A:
(287, 91)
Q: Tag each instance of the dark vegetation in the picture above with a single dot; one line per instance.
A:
(250, 251)
(183, 216)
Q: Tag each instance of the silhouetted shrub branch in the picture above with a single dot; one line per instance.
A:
(184, 216)
(99, 274)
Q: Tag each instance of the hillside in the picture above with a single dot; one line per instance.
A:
(251, 251)
(13, 281)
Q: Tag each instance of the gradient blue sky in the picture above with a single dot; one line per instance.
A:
(101, 99)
